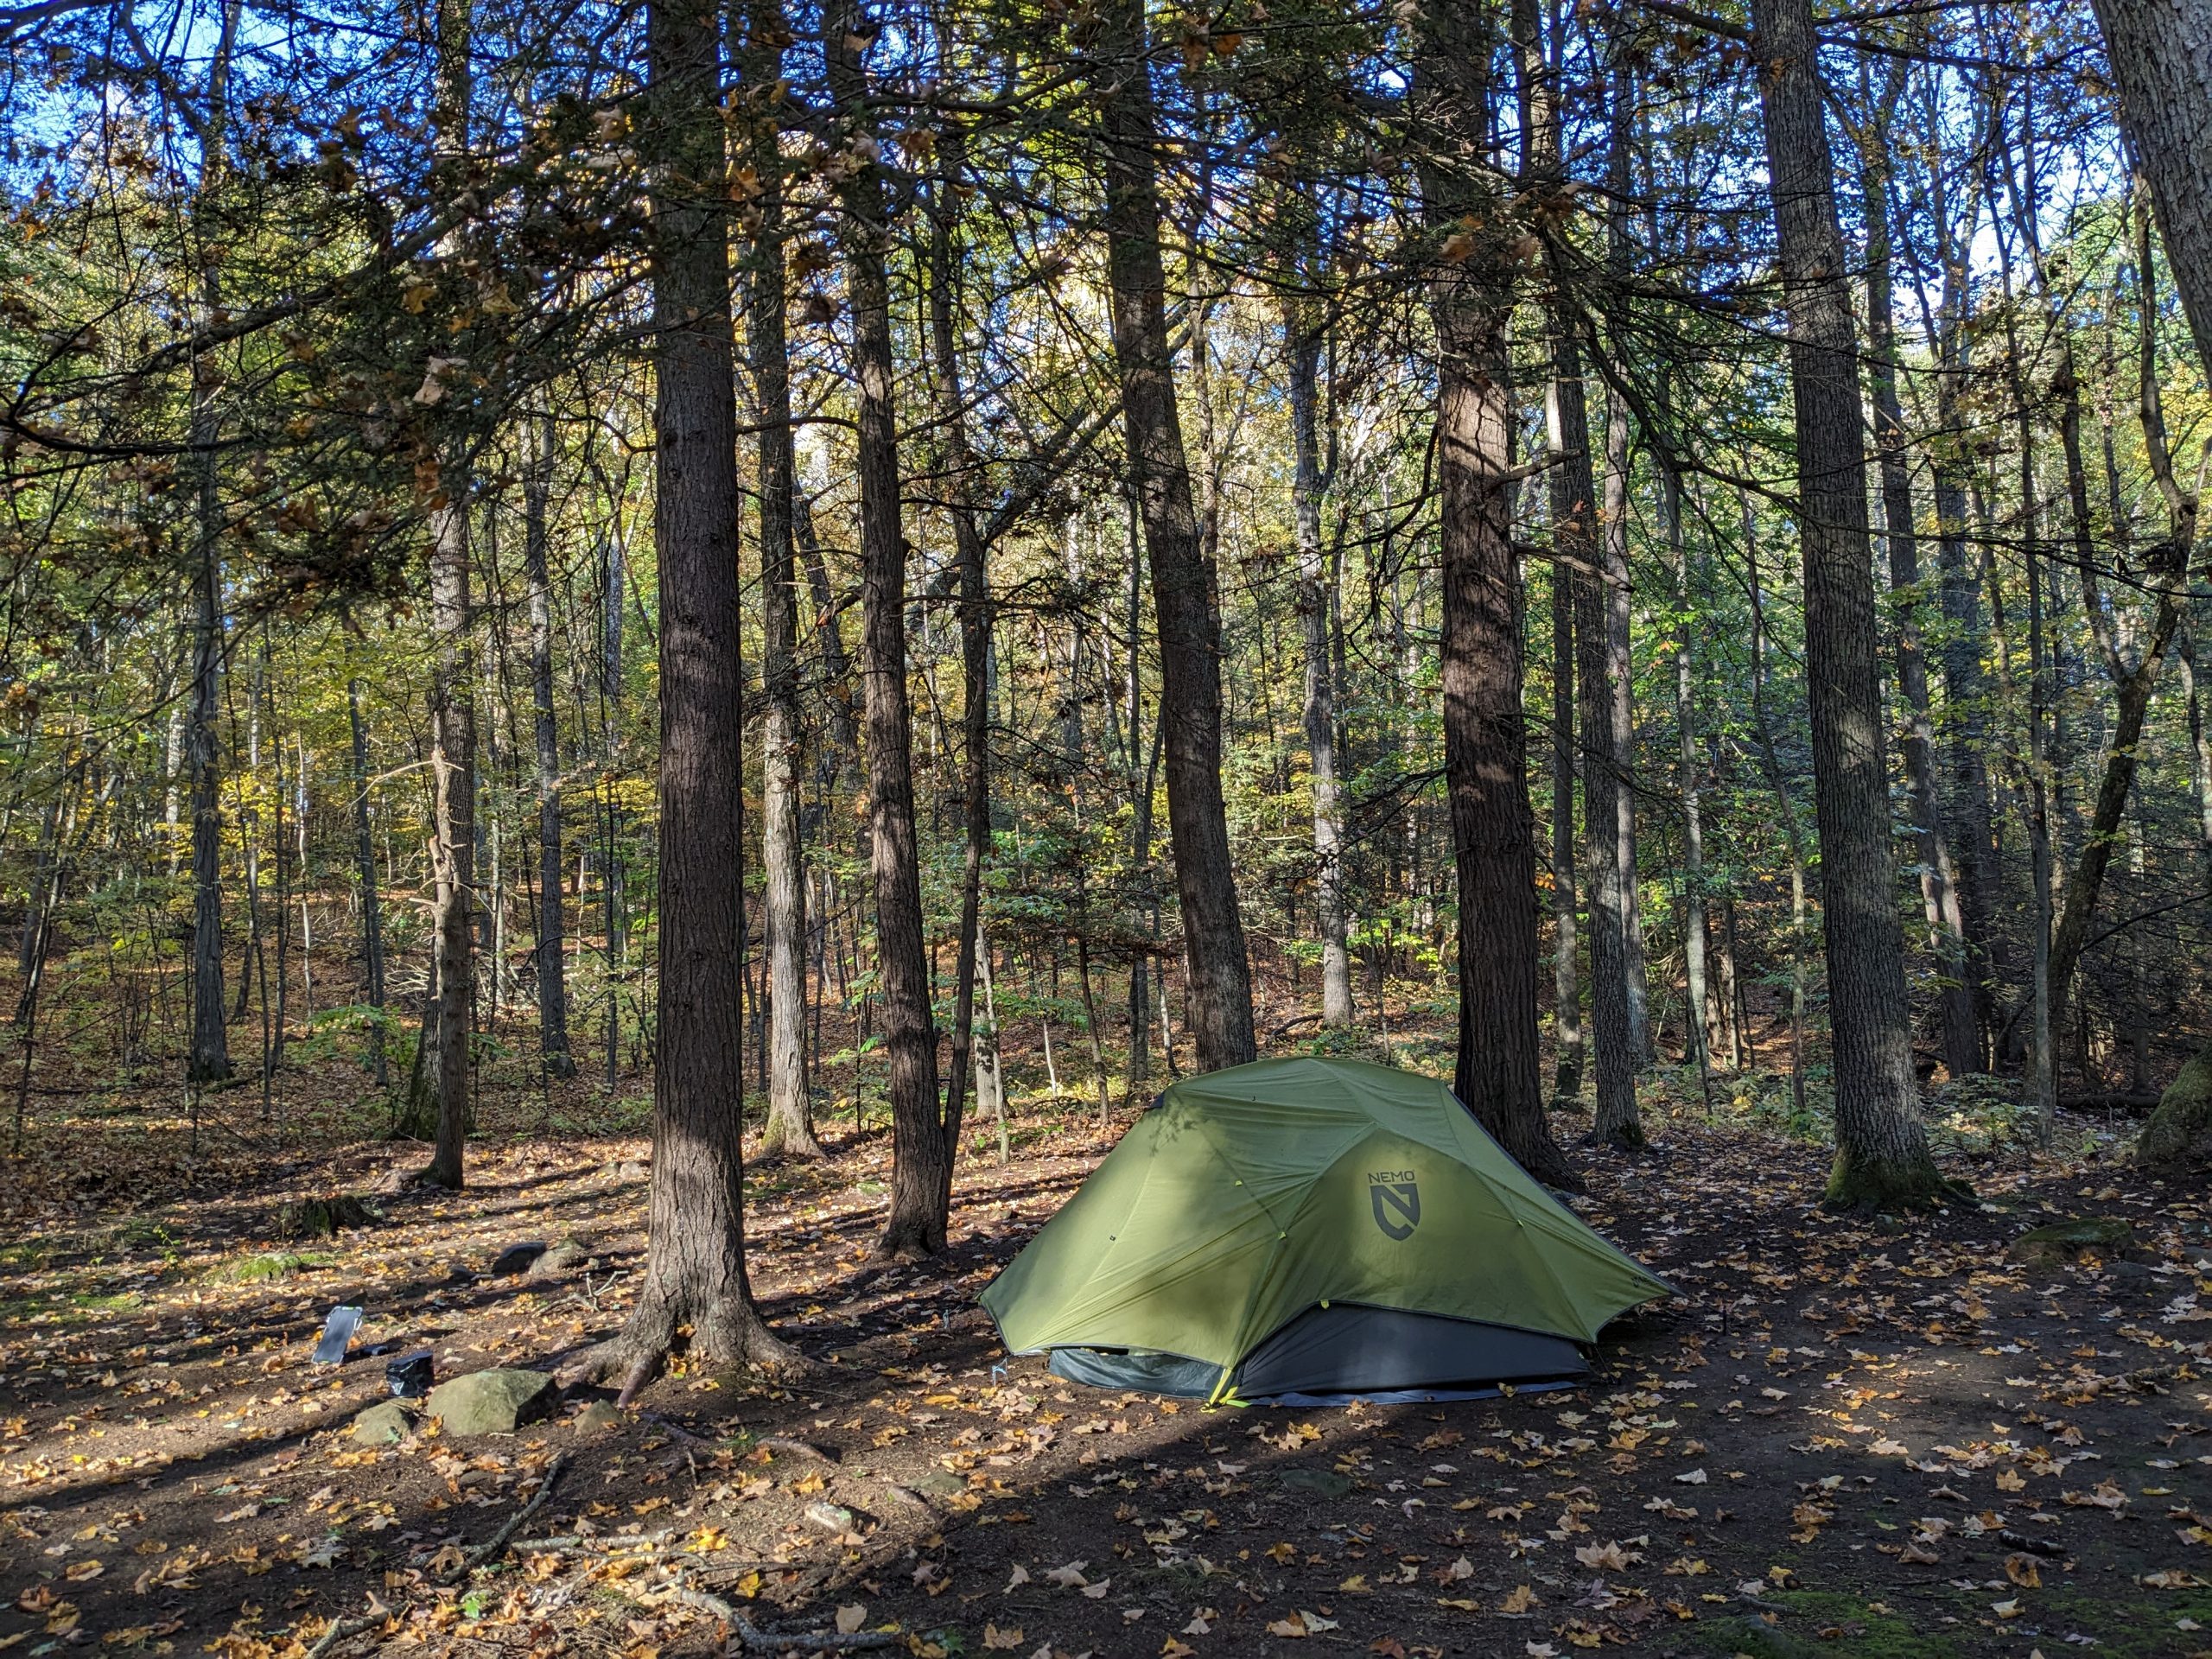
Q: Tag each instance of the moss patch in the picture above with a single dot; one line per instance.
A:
(1822, 1622)
(276, 1264)
(2138, 1625)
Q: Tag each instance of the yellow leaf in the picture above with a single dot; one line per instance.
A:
(1520, 1601)
(996, 1637)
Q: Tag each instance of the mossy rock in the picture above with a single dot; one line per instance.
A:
(2066, 1241)
(324, 1218)
(385, 1423)
(2180, 1128)
(255, 1269)
(496, 1401)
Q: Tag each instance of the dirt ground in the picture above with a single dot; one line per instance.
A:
(1844, 1437)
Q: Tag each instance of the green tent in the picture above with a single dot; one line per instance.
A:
(1312, 1227)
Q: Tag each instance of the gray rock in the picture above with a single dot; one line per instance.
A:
(597, 1418)
(1322, 1483)
(493, 1402)
(939, 1483)
(384, 1424)
(830, 1517)
(517, 1258)
(567, 1256)
(2067, 1241)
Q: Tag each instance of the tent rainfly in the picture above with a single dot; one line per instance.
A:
(1313, 1228)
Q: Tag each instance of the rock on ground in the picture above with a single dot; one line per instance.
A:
(383, 1423)
(493, 1402)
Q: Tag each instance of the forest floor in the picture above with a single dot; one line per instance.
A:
(1845, 1436)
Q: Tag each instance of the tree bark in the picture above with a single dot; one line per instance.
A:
(1470, 294)
(921, 1180)
(1571, 498)
(209, 1058)
(695, 1261)
(1616, 593)
(2161, 56)
(1695, 986)
(437, 1091)
(364, 858)
(551, 952)
(1939, 882)
(971, 552)
(1882, 1158)
(789, 1126)
(1303, 333)
(1618, 1025)
(1217, 995)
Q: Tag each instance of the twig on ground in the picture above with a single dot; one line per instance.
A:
(342, 1628)
(498, 1542)
(756, 1640)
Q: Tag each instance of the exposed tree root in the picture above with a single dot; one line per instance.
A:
(1864, 1187)
(634, 1356)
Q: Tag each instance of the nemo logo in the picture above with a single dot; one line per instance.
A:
(1395, 1197)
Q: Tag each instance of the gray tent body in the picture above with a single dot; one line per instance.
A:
(1345, 1351)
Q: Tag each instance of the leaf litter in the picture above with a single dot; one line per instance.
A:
(1845, 1429)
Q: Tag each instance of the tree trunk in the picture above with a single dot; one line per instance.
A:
(364, 858)
(1694, 905)
(789, 1126)
(1217, 995)
(1882, 1157)
(1793, 830)
(552, 952)
(972, 554)
(1938, 884)
(1304, 336)
(2161, 56)
(1571, 501)
(437, 1092)
(1606, 712)
(1618, 686)
(922, 1152)
(695, 1263)
(1607, 814)
(1485, 740)
(209, 1060)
